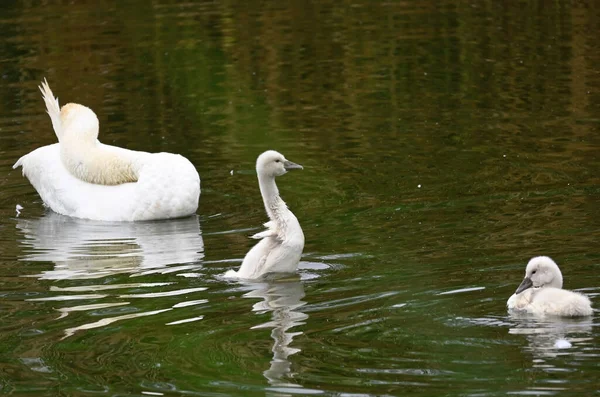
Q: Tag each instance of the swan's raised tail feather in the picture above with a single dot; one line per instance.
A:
(52, 107)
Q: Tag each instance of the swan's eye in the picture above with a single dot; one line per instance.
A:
(533, 272)
(277, 161)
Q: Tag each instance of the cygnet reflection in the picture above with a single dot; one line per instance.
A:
(549, 337)
(284, 300)
(85, 249)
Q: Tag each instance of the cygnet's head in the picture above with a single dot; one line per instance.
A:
(541, 272)
(79, 122)
(272, 164)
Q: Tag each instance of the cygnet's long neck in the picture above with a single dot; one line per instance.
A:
(274, 205)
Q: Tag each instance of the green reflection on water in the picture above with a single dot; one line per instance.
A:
(444, 144)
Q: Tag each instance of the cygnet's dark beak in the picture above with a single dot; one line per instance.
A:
(526, 283)
(288, 165)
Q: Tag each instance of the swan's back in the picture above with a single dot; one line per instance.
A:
(168, 187)
(551, 301)
(562, 302)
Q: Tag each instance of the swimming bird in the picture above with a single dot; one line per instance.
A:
(282, 243)
(83, 178)
(541, 292)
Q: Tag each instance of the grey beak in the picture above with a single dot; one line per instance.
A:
(288, 165)
(526, 283)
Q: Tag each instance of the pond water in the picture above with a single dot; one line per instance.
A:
(444, 144)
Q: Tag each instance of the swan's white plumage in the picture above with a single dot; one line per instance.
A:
(281, 245)
(270, 232)
(541, 292)
(166, 185)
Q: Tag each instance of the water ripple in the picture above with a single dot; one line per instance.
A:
(190, 303)
(109, 320)
(85, 288)
(165, 293)
(348, 301)
(461, 290)
(67, 297)
(66, 310)
(186, 320)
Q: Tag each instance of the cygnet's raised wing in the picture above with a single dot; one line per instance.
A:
(270, 232)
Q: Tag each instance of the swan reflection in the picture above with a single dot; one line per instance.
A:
(549, 337)
(84, 249)
(284, 300)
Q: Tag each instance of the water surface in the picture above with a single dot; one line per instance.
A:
(444, 144)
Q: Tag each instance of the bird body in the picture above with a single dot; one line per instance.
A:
(541, 292)
(83, 178)
(281, 245)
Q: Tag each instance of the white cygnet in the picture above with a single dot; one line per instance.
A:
(541, 292)
(282, 243)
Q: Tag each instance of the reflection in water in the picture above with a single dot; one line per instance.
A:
(84, 249)
(439, 120)
(282, 299)
(549, 337)
(109, 320)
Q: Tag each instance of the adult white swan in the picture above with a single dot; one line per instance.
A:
(83, 178)
(541, 292)
(282, 243)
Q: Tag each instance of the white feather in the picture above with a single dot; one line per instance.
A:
(282, 243)
(270, 232)
(166, 185)
(545, 296)
(52, 107)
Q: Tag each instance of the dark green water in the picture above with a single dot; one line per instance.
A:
(444, 144)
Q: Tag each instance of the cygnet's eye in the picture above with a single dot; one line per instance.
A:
(277, 161)
(533, 272)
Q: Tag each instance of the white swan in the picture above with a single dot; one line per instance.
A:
(282, 243)
(83, 178)
(541, 292)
